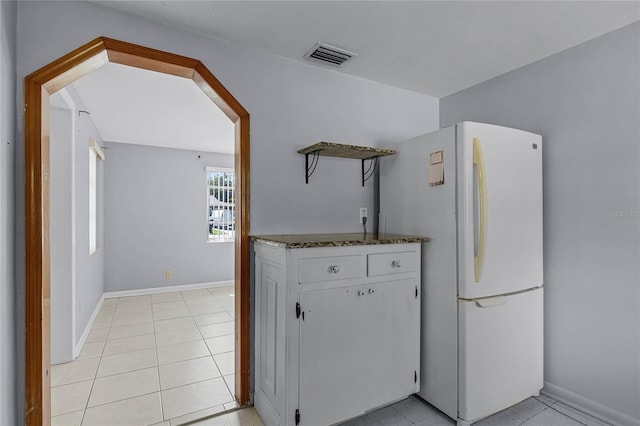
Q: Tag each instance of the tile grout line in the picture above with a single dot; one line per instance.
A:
(111, 375)
(233, 319)
(123, 399)
(582, 414)
(126, 372)
(190, 316)
(86, 406)
(566, 415)
(191, 383)
(552, 406)
(155, 348)
(209, 349)
(206, 345)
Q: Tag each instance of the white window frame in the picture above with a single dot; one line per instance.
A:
(226, 229)
(95, 152)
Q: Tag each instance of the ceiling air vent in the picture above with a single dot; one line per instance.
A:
(329, 55)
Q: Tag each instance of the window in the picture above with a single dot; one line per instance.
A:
(94, 153)
(221, 204)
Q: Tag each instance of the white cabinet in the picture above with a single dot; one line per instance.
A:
(337, 330)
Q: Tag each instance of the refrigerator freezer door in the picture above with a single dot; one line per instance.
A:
(500, 352)
(499, 210)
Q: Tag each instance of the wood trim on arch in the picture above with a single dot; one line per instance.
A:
(38, 87)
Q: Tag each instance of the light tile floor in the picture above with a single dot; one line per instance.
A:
(536, 411)
(167, 359)
(243, 417)
(150, 359)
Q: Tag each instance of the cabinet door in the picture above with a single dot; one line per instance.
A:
(393, 352)
(270, 337)
(333, 367)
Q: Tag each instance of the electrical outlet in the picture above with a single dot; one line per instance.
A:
(363, 213)
(169, 274)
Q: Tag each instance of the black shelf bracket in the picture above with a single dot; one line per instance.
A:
(366, 174)
(313, 153)
(310, 168)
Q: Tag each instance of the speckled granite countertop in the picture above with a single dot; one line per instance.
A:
(334, 240)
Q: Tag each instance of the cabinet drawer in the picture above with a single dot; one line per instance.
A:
(392, 263)
(330, 268)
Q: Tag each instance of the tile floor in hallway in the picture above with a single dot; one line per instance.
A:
(148, 359)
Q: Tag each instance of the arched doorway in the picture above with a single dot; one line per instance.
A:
(38, 87)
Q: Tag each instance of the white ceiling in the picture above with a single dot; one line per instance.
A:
(431, 47)
(143, 107)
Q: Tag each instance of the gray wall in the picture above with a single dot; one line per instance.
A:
(89, 268)
(77, 277)
(8, 395)
(61, 234)
(292, 105)
(156, 218)
(585, 103)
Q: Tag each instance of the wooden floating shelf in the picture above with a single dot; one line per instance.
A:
(330, 149)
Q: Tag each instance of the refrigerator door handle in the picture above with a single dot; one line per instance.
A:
(479, 255)
(490, 302)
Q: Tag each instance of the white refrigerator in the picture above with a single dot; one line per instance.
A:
(476, 190)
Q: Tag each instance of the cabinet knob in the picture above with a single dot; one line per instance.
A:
(396, 264)
(371, 291)
(334, 269)
(361, 293)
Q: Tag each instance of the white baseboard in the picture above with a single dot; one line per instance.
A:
(83, 337)
(590, 407)
(169, 289)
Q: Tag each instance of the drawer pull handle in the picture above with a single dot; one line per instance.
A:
(361, 293)
(396, 264)
(334, 269)
(371, 291)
